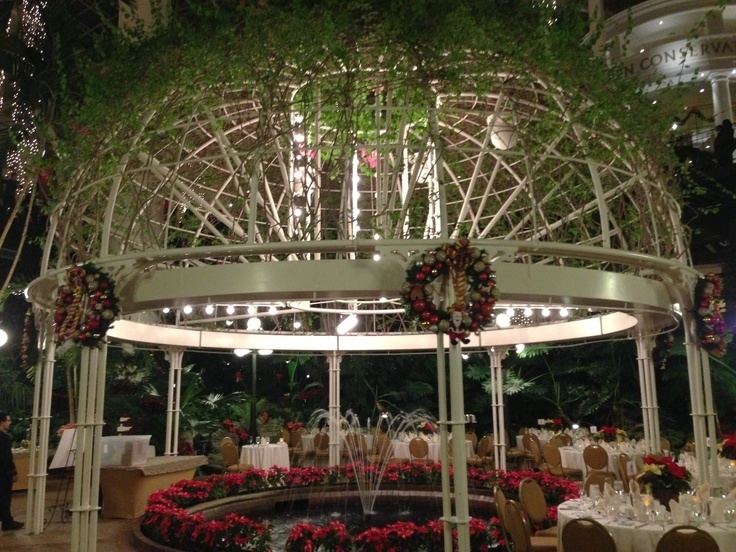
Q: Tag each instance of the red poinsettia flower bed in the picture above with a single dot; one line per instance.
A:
(167, 520)
(395, 537)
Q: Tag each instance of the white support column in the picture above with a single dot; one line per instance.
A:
(334, 360)
(710, 412)
(459, 455)
(41, 419)
(173, 409)
(85, 504)
(442, 413)
(648, 386)
(722, 107)
(497, 408)
(697, 402)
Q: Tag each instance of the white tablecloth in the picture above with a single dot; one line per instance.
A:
(633, 536)
(401, 449)
(265, 456)
(573, 458)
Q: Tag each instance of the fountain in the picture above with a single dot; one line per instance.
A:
(378, 455)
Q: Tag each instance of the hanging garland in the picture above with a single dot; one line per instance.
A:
(85, 306)
(27, 350)
(469, 271)
(709, 310)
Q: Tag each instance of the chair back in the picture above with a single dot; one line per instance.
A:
(532, 447)
(598, 479)
(500, 501)
(517, 527)
(295, 438)
(623, 469)
(664, 444)
(686, 538)
(485, 446)
(473, 438)
(285, 436)
(553, 459)
(382, 445)
(587, 535)
(566, 439)
(595, 457)
(230, 456)
(418, 448)
(321, 441)
(556, 441)
(355, 442)
(532, 500)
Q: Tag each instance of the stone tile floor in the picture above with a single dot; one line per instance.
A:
(113, 534)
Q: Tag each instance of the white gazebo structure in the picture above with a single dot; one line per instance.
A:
(274, 211)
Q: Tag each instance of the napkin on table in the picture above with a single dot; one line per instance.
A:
(607, 489)
(678, 512)
(634, 490)
(703, 492)
(717, 510)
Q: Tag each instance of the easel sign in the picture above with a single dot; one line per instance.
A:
(64, 456)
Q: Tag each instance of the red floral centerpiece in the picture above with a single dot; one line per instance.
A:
(236, 430)
(728, 446)
(428, 428)
(294, 426)
(553, 424)
(663, 478)
(609, 434)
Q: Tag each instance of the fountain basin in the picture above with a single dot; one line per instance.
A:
(319, 506)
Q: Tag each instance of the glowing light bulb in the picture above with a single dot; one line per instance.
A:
(503, 320)
(241, 352)
(252, 309)
(528, 312)
(546, 312)
(253, 324)
(209, 309)
(230, 309)
(564, 312)
(166, 310)
(187, 309)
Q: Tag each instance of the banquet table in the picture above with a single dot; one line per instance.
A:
(634, 536)
(401, 449)
(265, 456)
(125, 489)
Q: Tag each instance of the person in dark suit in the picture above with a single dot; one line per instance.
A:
(8, 474)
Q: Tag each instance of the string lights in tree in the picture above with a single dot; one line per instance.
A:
(25, 22)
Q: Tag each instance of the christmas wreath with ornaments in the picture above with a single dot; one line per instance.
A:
(468, 270)
(85, 306)
(709, 310)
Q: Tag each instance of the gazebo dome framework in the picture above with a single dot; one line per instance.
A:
(310, 176)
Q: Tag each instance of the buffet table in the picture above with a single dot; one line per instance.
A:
(21, 459)
(265, 456)
(634, 536)
(125, 489)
